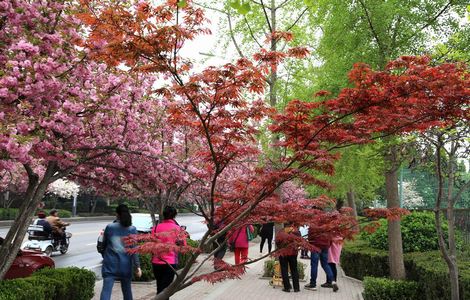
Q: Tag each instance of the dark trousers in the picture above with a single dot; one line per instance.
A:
(287, 262)
(219, 254)
(164, 276)
(270, 241)
(323, 258)
(334, 270)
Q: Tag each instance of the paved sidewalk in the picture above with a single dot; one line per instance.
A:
(249, 287)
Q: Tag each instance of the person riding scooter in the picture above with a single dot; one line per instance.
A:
(41, 220)
(58, 227)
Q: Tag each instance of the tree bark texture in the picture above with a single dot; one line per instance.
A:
(34, 194)
(351, 196)
(395, 246)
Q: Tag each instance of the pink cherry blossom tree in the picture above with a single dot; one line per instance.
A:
(62, 115)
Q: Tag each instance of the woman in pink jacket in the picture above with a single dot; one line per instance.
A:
(168, 231)
(334, 252)
(239, 239)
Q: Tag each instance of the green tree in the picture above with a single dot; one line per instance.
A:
(375, 31)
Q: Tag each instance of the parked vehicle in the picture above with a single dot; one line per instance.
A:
(142, 222)
(27, 262)
(46, 244)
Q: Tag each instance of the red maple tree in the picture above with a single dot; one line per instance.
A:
(223, 105)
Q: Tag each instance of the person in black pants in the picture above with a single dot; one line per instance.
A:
(288, 261)
(266, 233)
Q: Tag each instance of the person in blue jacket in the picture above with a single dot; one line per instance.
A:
(117, 263)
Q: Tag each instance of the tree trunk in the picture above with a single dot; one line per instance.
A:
(449, 254)
(395, 247)
(6, 199)
(352, 201)
(15, 236)
(95, 201)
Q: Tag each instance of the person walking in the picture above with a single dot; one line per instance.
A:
(117, 263)
(164, 265)
(334, 253)
(239, 240)
(320, 241)
(266, 233)
(289, 260)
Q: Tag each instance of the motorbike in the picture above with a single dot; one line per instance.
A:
(47, 244)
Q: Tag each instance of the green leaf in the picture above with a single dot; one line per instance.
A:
(244, 8)
(182, 3)
(235, 4)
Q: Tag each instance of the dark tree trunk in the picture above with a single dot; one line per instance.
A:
(34, 194)
(351, 196)
(449, 251)
(395, 247)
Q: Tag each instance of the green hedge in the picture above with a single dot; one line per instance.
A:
(428, 269)
(388, 289)
(146, 267)
(358, 260)
(418, 233)
(8, 213)
(50, 284)
(146, 263)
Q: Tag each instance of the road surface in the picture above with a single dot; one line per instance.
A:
(82, 251)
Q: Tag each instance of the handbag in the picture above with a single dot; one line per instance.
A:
(249, 234)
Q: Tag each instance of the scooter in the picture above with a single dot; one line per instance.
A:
(46, 244)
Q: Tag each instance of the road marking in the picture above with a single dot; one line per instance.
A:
(91, 244)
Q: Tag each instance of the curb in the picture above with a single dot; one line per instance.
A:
(8, 223)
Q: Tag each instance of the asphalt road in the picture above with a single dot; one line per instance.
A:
(82, 251)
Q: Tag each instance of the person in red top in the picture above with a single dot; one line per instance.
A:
(290, 259)
(164, 265)
(239, 238)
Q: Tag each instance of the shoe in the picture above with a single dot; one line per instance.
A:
(296, 291)
(327, 285)
(311, 287)
(335, 287)
(286, 290)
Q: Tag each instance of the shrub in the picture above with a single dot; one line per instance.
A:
(183, 258)
(269, 268)
(146, 267)
(78, 284)
(428, 269)
(418, 233)
(50, 284)
(359, 260)
(8, 213)
(388, 289)
(21, 289)
(64, 213)
(431, 273)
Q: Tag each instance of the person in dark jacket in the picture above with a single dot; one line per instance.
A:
(319, 240)
(289, 260)
(117, 263)
(266, 233)
(41, 220)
